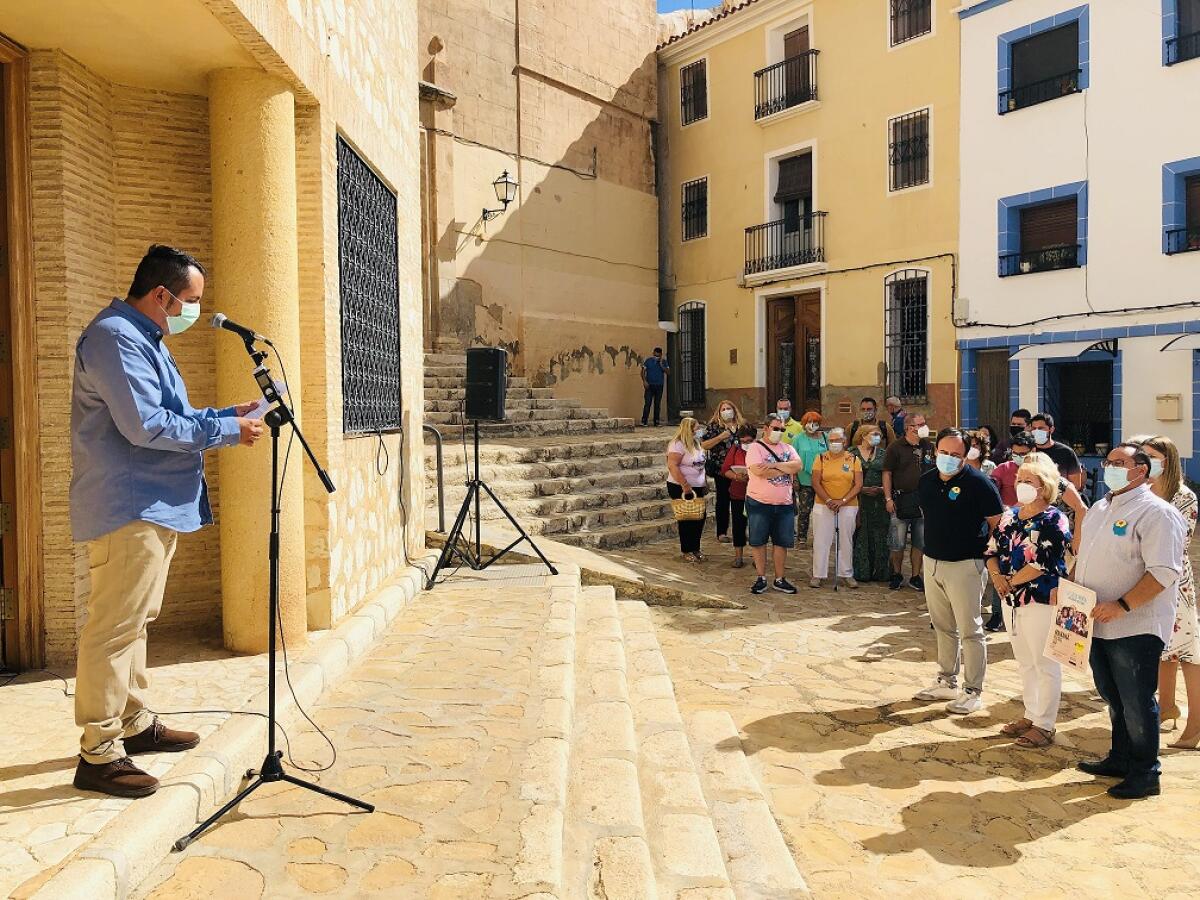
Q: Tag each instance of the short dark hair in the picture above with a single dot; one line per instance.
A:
(1021, 414)
(870, 400)
(1140, 456)
(658, 349)
(1024, 439)
(747, 430)
(1042, 417)
(952, 432)
(166, 266)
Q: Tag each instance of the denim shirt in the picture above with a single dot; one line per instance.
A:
(136, 442)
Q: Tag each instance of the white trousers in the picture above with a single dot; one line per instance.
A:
(1041, 677)
(830, 527)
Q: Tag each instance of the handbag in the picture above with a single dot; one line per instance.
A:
(688, 510)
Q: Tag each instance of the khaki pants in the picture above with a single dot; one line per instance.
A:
(129, 572)
(954, 595)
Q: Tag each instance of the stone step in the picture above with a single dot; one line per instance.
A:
(446, 359)
(460, 393)
(458, 381)
(682, 836)
(538, 429)
(606, 854)
(555, 451)
(520, 414)
(580, 510)
(552, 477)
(757, 858)
(616, 536)
(512, 403)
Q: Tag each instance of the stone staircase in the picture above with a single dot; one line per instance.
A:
(576, 475)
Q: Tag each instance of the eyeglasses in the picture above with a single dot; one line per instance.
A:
(1119, 464)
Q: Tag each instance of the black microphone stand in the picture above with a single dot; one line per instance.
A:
(272, 767)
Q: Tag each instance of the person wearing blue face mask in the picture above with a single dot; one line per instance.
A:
(961, 508)
(137, 449)
(1041, 427)
(872, 558)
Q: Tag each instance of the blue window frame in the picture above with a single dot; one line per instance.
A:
(1009, 228)
(1180, 234)
(1180, 30)
(1019, 93)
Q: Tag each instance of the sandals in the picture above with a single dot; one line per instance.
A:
(1017, 728)
(1035, 738)
(692, 558)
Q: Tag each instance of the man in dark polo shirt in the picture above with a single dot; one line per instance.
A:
(961, 507)
(1042, 428)
(903, 464)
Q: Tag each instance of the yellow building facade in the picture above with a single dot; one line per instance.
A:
(276, 140)
(809, 205)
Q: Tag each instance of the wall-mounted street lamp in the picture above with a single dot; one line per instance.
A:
(506, 193)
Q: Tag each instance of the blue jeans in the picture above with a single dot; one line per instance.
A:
(776, 522)
(1126, 674)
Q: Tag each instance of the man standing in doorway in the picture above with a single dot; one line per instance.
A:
(654, 381)
(1042, 428)
(906, 459)
(961, 507)
(137, 448)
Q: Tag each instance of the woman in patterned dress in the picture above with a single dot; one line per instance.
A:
(871, 558)
(1166, 475)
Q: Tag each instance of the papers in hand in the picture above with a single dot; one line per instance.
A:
(1070, 639)
(261, 410)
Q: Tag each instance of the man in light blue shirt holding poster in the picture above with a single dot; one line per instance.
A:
(137, 448)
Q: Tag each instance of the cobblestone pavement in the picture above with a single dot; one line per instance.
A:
(433, 727)
(42, 817)
(883, 796)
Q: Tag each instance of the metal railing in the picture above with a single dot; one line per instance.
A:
(1183, 240)
(786, 243)
(1047, 259)
(437, 436)
(1182, 48)
(785, 84)
(1040, 91)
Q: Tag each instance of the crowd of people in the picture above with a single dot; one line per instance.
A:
(990, 526)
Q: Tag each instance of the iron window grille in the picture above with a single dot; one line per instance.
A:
(693, 92)
(908, 150)
(911, 19)
(695, 209)
(1043, 259)
(906, 335)
(369, 281)
(692, 388)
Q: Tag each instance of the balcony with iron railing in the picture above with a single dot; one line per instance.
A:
(1183, 240)
(1182, 48)
(1040, 91)
(1046, 259)
(786, 84)
(785, 244)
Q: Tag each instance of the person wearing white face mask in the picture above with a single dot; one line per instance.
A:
(1041, 427)
(809, 444)
(718, 439)
(903, 464)
(1026, 557)
(791, 424)
(961, 507)
(686, 480)
(137, 448)
(871, 559)
(837, 480)
(772, 464)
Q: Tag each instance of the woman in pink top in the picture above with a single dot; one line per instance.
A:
(770, 510)
(686, 478)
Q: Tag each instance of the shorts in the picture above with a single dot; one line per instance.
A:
(899, 531)
(771, 521)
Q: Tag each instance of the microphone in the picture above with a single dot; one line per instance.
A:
(220, 320)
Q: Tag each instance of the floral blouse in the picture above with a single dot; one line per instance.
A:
(1040, 541)
(716, 453)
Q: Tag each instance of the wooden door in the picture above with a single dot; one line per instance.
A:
(991, 378)
(9, 627)
(781, 349)
(808, 338)
(796, 80)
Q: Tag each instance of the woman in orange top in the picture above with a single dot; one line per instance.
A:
(837, 480)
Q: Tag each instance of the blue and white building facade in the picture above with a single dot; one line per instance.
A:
(1080, 218)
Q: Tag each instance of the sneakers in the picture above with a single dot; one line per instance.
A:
(917, 583)
(783, 586)
(120, 778)
(942, 689)
(759, 586)
(994, 624)
(158, 738)
(896, 581)
(966, 703)
(814, 582)
(850, 582)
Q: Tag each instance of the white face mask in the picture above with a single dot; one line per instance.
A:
(812, 427)
(774, 435)
(973, 453)
(1041, 435)
(727, 415)
(923, 431)
(1027, 493)
(699, 432)
(1156, 467)
(836, 446)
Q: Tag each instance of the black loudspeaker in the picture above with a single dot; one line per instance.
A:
(487, 383)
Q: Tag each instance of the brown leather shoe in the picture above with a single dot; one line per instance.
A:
(120, 778)
(158, 738)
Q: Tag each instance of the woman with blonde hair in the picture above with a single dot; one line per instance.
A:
(1183, 652)
(720, 436)
(686, 480)
(1026, 557)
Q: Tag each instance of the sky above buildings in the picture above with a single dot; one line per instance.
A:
(671, 5)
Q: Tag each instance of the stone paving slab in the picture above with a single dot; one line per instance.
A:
(882, 796)
(434, 726)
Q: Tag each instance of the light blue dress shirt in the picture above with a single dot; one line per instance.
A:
(137, 444)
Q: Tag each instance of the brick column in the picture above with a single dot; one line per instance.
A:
(253, 146)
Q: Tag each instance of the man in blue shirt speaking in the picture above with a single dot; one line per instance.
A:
(654, 379)
(137, 448)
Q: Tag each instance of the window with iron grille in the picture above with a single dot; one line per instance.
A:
(908, 150)
(695, 209)
(906, 335)
(911, 19)
(691, 350)
(693, 92)
(369, 281)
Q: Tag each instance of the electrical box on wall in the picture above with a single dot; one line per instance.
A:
(1168, 407)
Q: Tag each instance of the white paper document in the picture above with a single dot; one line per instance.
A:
(1070, 638)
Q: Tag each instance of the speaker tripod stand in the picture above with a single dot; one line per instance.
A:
(462, 548)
